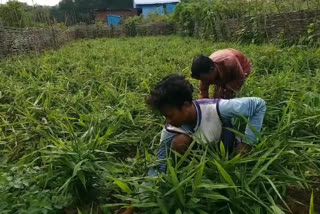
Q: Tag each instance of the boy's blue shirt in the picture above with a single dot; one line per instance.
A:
(252, 108)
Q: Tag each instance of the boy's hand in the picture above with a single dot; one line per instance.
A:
(243, 148)
(181, 143)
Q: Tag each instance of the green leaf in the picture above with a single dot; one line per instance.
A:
(276, 210)
(77, 167)
(222, 151)
(113, 205)
(311, 209)
(175, 182)
(263, 168)
(145, 205)
(224, 174)
(185, 155)
(82, 179)
(148, 188)
(162, 206)
(198, 177)
(79, 211)
(178, 211)
(275, 189)
(123, 186)
(214, 196)
(65, 185)
(215, 186)
(179, 185)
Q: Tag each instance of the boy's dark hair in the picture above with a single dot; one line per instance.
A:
(201, 64)
(172, 91)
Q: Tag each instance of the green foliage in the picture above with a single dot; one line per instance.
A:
(252, 33)
(75, 131)
(311, 37)
(15, 14)
(138, 25)
(20, 15)
(23, 190)
(131, 25)
(210, 19)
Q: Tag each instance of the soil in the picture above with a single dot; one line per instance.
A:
(299, 200)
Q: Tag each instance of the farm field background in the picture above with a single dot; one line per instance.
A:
(75, 133)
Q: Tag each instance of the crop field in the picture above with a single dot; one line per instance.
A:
(77, 137)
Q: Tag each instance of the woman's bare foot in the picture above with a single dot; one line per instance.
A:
(125, 211)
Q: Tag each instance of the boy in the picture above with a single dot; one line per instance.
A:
(205, 119)
(227, 69)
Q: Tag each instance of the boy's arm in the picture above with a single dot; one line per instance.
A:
(162, 155)
(253, 108)
(218, 92)
(223, 93)
(235, 85)
(168, 134)
(165, 144)
(232, 88)
(204, 90)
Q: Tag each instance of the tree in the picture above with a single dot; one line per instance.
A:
(15, 14)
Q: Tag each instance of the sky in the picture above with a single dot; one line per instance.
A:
(39, 2)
